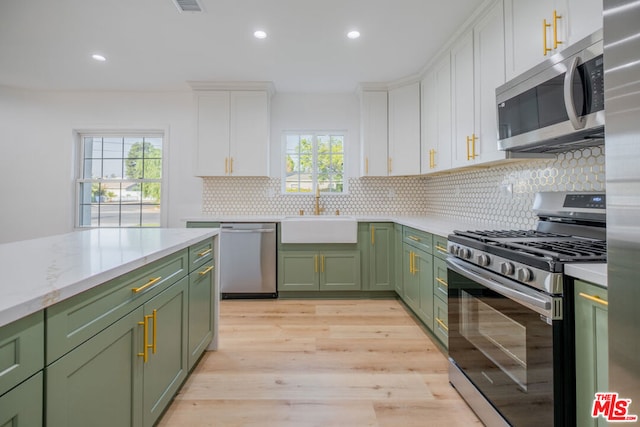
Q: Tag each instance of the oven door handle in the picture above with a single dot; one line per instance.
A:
(536, 301)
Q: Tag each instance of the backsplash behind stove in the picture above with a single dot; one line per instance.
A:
(502, 194)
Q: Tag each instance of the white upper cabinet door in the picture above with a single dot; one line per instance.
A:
(436, 117)
(462, 101)
(585, 17)
(374, 133)
(489, 71)
(249, 134)
(404, 130)
(213, 133)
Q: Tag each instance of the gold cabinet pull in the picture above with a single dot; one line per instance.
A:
(411, 262)
(154, 316)
(315, 261)
(151, 282)
(442, 324)
(442, 249)
(373, 235)
(414, 238)
(545, 49)
(474, 138)
(230, 165)
(442, 282)
(206, 270)
(322, 265)
(556, 42)
(468, 151)
(594, 298)
(415, 270)
(432, 158)
(366, 166)
(226, 165)
(145, 338)
(205, 252)
(390, 164)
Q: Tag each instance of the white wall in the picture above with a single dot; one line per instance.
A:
(37, 163)
(290, 111)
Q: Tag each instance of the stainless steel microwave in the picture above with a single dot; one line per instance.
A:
(557, 105)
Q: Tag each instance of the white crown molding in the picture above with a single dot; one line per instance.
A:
(232, 85)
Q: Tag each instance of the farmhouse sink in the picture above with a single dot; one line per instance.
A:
(319, 229)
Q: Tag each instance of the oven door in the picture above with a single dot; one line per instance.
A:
(506, 338)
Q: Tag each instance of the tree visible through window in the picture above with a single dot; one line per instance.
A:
(121, 181)
(314, 160)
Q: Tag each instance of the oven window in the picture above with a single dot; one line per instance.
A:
(500, 338)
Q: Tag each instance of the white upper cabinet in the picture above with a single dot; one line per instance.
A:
(537, 29)
(233, 132)
(374, 132)
(436, 117)
(404, 130)
(477, 68)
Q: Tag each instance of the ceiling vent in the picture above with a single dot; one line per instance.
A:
(188, 5)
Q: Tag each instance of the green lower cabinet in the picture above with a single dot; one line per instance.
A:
(440, 285)
(377, 241)
(201, 311)
(411, 282)
(423, 264)
(441, 321)
(399, 267)
(22, 406)
(592, 344)
(319, 271)
(106, 381)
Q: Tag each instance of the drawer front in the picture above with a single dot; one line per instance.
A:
(440, 284)
(441, 321)
(440, 246)
(23, 405)
(21, 350)
(199, 254)
(73, 321)
(418, 239)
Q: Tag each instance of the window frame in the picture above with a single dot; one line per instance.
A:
(81, 134)
(314, 179)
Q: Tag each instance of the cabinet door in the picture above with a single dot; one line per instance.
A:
(399, 267)
(21, 350)
(436, 117)
(167, 365)
(339, 271)
(249, 133)
(440, 284)
(462, 101)
(381, 257)
(584, 17)
(592, 344)
(404, 130)
(201, 314)
(298, 271)
(423, 265)
(488, 39)
(374, 133)
(100, 382)
(441, 321)
(213, 133)
(22, 406)
(411, 283)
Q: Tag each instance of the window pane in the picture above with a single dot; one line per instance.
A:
(112, 148)
(323, 144)
(151, 193)
(112, 168)
(306, 144)
(92, 148)
(337, 164)
(132, 148)
(109, 215)
(155, 148)
(92, 168)
(130, 215)
(306, 164)
(292, 144)
(337, 144)
(89, 215)
(151, 215)
(130, 192)
(152, 169)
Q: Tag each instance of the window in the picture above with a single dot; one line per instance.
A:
(120, 182)
(314, 160)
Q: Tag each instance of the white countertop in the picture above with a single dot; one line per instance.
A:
(594, 273)
(38, 273)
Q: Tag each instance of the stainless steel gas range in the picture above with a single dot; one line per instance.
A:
(511, 341)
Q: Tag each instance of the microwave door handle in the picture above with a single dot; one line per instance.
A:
(577, 122)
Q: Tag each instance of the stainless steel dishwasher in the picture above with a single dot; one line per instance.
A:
(248, 260)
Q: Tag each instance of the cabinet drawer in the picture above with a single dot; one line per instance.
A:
(21, 350)
(440, 284)
(441, 321)
(23, 406)
(440, 246)
(73, 321)
(418, 239)
(200, 254)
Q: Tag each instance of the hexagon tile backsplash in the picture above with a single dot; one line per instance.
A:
(502, 194)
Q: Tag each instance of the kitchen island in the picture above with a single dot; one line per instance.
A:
(104, 320)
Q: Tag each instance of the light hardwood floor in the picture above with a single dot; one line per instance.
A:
(319, 363)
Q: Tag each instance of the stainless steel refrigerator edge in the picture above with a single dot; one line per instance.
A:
(248, 260)
(622, 150)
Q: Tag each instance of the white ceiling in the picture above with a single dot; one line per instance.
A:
(150, 45)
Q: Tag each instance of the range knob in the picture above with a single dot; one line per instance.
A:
(506, 268)
(524, 274)
(465, 253)
(483, 260)
(454, 249)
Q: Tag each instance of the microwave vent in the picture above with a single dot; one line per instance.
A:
(188, 5)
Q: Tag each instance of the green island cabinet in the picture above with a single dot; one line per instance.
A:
(592, 341)
(118, 353)
(21, 377)
(377, 248)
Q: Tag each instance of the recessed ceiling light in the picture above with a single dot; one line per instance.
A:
(98, 57)
(260, 34)
(353, 34)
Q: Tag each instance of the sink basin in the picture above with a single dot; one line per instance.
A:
(319, 229)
